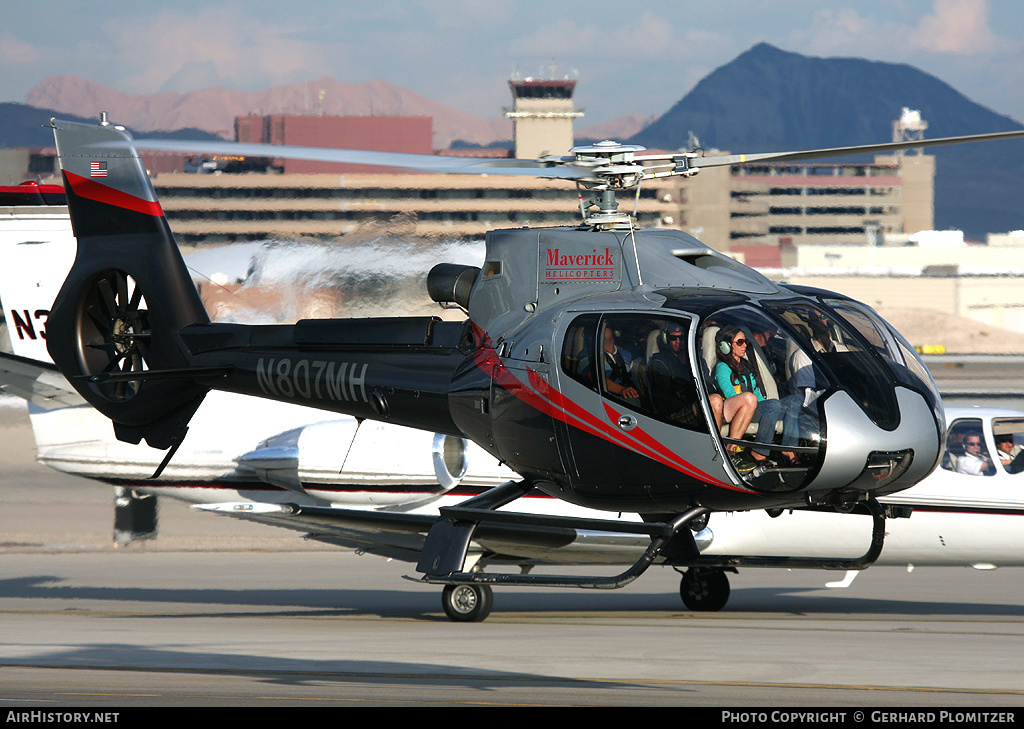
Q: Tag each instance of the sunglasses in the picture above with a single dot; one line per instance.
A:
(740, 342)
(676, 337)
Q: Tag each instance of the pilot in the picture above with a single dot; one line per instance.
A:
(821, 334)
(975, 460)
(1010, 456)
(673, 389)
(765, 336)
(617, 377)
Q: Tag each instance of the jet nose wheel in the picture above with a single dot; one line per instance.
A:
(467, 603)
(704, 589)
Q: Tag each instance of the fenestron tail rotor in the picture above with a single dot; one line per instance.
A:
(114, 333)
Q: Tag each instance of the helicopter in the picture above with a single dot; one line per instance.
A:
(587, 362)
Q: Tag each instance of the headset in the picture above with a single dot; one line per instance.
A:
(725, 344)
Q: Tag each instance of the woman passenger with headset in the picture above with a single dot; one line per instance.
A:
(736, 373)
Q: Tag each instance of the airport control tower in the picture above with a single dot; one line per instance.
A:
(542, 115)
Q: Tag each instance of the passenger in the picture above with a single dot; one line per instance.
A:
(975, 460)
(735, 375)
(1010, 456)
(673, 390)
(617, 378)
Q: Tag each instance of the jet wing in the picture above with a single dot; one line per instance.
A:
(38, 382)
(401, 535)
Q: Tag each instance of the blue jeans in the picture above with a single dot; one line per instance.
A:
(767, 415)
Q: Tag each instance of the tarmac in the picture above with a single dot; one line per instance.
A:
(217, 612)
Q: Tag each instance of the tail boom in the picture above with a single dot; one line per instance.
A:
(392, 370)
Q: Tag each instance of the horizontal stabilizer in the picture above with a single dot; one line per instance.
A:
(38, 382)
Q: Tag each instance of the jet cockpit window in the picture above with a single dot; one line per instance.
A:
(966, 451)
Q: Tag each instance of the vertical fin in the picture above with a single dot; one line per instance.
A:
(128, 294)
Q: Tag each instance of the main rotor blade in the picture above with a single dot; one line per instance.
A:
(566, 168)
(421, 162)
(734, 159)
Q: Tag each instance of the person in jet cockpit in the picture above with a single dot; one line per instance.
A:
(975, 460)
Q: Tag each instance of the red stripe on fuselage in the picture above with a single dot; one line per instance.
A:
(488, 361)
(542, 397)
(637, 440)
(98, 192)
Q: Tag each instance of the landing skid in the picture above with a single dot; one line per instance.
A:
(704, 587)
(447, 544)
(467, 596)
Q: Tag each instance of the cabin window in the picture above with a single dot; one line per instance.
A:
(578, 349)
(640, 362)
(747, 351)
(1009, 437)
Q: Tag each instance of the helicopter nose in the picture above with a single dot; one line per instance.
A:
(867, 459)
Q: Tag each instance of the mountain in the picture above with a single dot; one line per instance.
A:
(768, 100)
(621, 128)
(215, 109)
(29, 126)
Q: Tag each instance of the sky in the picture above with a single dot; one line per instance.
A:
(630, 58)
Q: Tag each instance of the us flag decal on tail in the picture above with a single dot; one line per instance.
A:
(97, 169)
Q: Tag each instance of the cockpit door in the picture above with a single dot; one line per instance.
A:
(629, 379)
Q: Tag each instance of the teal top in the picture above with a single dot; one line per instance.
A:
(728, 388)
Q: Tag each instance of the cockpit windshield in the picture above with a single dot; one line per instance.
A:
(846, 359)
(906, 365)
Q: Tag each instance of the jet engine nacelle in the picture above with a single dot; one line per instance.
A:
(347, 461)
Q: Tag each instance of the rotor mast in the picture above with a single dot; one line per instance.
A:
(614, 167)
